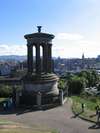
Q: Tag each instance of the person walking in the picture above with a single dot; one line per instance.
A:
(5, 106)
(83, 106)
(97, 108)
(98, 116)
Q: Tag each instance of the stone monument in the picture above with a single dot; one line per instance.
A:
(42, 80)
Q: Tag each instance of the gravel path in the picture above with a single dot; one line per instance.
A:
(60, 118)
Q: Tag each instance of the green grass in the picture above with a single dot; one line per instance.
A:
(89, 111)
(54, 131)
(25, 130)
(21, 130)
(89, 102)
(16, 128)
(2, 99)
(3, 122)
(12, 127)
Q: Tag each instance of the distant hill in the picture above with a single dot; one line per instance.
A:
(13, 57)
(16, 58)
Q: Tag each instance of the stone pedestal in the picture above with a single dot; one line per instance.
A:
(47, 88)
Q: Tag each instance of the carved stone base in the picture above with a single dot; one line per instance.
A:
(46, 84)
(47, 88)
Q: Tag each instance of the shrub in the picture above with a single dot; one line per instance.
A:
(61, 84)
(5, 90)
(76, 85)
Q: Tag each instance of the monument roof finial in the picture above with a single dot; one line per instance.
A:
(39, 28)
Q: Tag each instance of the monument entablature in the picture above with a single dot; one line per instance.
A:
(39, 35)
(32, 41)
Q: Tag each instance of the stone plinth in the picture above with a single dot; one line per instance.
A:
(46, 84)
(47, 88)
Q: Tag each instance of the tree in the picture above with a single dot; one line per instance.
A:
(5, 90)
(76, 85)
(98, 87)
(95, 78)
(61, 84)
(91, 76)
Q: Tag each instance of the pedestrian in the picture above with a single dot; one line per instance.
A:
(98, 117)
(9, 103)
(83, 106)
(4, 106)
(97, 108)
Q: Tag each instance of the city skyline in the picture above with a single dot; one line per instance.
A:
(74, 23)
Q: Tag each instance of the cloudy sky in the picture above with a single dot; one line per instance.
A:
(75, 24)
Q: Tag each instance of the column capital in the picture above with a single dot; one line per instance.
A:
(49, 44)
(29, 45)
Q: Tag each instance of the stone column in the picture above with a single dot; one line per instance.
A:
(30, 58)
(38, 59)
(45, 59)
(49, 58)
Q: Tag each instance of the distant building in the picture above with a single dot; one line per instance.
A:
(5, 69)
(83, 62)
(62, 65)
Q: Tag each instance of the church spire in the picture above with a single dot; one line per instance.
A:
(83, 57)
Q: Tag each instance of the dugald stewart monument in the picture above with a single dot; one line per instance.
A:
(40, 82)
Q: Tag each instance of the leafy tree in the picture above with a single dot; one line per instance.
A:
(95, 78)
(91, 76)
(98, 87)
(5, 90)
(76, 85)
(61, 84)
(77, 82)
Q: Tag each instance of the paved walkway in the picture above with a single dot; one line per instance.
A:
(60, 118)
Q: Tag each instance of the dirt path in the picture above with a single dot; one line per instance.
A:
(60, 118)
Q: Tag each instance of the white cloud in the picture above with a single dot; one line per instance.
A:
(69, 36)
(61, 47)
(75, 47)
(13, 49)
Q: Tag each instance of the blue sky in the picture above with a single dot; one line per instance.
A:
(75, 24)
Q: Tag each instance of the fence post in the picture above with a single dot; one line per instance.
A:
(39, 99)
(18, 94)
(61, 97)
